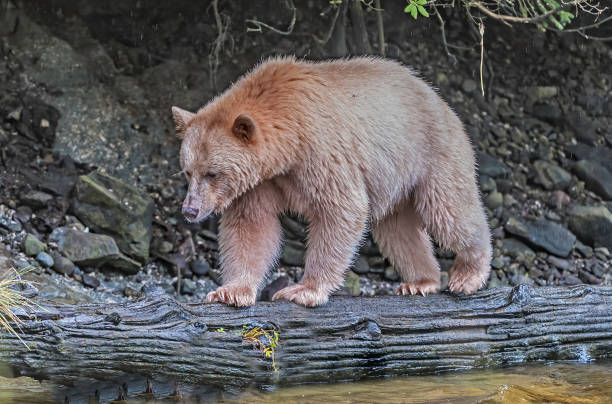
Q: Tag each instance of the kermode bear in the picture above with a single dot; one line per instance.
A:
(347, 144)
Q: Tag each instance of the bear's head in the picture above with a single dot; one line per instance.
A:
(219, 159)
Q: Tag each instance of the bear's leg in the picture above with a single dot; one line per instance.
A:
(453, 214)
(402, 238)
(249, 237)
(333, 238)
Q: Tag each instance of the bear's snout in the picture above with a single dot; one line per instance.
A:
(190, 213)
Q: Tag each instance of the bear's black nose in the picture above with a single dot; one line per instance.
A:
(189, 212)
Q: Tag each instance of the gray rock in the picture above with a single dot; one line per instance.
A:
(44, 259)
(391, 274)
(188, 286)
(200, 267)
(583, 127)
(497, 263)
(63, 265)
(351, 283)
(517, 250)
(539, 93)
(361, 266)
(492, 167)
(599, 155)
(95, 250)
(294, 227)
(592, 225)
(469, 85)
(215, 275)
(550, 175)
(36, 199)
(32, 246)
(109, 206)
(546, 111)
(91, 281)
(273, 287)
(494, 200)
(596, 177)
(560, 263)
(487, 184)
(10, 224)
(293, 254)
(583, 249)
(542, 233)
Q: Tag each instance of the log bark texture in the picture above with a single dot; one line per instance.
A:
(347, 339)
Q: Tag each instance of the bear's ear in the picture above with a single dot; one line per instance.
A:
(244, 128)
(181, 119)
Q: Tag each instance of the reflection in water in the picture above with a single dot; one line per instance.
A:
(573, 383)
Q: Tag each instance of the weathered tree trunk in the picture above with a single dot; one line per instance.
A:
(347, 339)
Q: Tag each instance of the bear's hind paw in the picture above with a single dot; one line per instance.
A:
(468, 283)
(301, 294)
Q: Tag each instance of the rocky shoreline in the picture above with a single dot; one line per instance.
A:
(90, 204)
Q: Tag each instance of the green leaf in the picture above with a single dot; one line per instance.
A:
(421, 2)
(413, 11)
(565, 16)
(423, 12)
(408, 8)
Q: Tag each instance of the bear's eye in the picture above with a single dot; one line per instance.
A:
(211, 175)
(187, 175)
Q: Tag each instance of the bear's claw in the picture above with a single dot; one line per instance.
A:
(239, 296)
(424, 287)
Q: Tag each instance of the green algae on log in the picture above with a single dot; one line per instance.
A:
(346, 339)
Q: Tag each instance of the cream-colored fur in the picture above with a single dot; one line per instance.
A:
(347, 144)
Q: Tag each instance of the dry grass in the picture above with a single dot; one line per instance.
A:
(12, 298)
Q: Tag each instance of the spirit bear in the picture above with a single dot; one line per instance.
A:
(348, 144)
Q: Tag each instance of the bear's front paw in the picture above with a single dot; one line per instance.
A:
(423, 287)
(238, 296)
(302, 294)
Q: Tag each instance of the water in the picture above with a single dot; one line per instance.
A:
(573, 383)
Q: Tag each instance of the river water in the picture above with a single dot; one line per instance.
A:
(574, 383)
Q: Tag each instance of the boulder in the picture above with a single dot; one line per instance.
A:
(109, 206)
(542, 233)
(592, 225)
(94, 250)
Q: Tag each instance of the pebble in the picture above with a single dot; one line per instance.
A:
(494, 200)
(584, 249)
(391, 274)
(559, 262)
(188, 286)
(497, 263)
(273, 287)
(32, 245)
(361, 266)
(200, 267)
(91, 281)
(45, 259)
(63, 265)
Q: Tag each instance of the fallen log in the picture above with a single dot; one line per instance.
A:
(346, 339)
